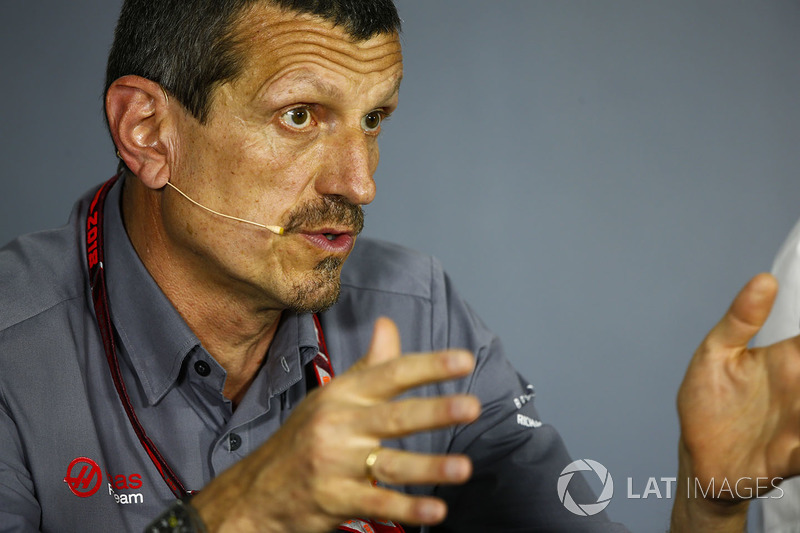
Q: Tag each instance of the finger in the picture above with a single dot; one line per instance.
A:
(360, 499)
(747, 313)
(404, 417)
(385, 344)
(386, 380)
(399, 467)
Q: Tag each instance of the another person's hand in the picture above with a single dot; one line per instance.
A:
(311, 475)
(739, 411)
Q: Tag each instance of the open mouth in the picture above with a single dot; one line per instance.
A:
(330, 241)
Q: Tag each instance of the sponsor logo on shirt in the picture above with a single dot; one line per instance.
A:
(124, 499)
(84, 477)
(528, 422)
(519, 401)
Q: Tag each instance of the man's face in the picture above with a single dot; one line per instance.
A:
(291, 142)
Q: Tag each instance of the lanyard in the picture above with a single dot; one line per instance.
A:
(97, 279)
(323, 369)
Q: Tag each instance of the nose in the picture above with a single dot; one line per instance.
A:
(352, 162)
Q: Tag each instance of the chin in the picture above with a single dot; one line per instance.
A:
(320, 289)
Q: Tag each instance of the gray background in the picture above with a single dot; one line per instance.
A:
(599, 177)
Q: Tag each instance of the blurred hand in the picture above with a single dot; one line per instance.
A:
(311, 475)
(739, 414)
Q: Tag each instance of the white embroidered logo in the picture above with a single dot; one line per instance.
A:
(528, 422)
(530, 394)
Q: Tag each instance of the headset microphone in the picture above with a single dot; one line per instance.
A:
(277, 230)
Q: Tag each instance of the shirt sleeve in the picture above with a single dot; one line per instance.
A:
(517, 459)
(784, 318)
(19, 510)
(781, 514)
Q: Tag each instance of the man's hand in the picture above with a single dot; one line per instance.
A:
(311, 475)
(739, 410)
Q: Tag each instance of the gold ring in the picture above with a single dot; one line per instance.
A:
(370, 463)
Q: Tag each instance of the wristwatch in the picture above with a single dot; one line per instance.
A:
(180, 517)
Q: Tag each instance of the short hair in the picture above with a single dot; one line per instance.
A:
(189, 46)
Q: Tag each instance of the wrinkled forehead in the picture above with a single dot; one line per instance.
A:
(271, 41)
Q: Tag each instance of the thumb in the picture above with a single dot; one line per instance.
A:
(385, 344)
(747, 313)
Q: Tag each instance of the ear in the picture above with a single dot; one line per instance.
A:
(139, 117)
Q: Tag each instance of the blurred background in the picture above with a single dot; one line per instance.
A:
(599, 178)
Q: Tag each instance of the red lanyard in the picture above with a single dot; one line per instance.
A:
(95, 257)
(97, 278)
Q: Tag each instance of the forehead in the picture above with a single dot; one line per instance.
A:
(274, 42)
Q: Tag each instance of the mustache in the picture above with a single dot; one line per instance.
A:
(326, 211)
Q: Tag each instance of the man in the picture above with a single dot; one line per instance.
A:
(159, 348)
(180, 333)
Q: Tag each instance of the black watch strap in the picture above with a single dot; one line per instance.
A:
(180, 517)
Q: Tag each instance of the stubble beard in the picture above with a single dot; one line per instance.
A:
(320, 290)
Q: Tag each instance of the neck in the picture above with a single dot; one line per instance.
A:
(235, 330)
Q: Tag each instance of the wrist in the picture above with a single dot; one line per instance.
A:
(225, 509)
(691, 514)
(693, 511)
(179, 517)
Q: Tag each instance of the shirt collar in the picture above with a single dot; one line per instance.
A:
(294, 346)
(153, 333)
(155, 336)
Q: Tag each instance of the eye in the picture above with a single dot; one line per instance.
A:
(298, 118)
(372, 121)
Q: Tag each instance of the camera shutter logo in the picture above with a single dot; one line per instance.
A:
(585, 509)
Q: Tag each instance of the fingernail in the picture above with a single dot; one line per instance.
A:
(430, 511)
(458, 361)
(454, 469)
(459, 408)
(462, 408)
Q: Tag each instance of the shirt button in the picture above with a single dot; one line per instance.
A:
(234, 441)
(202, 368)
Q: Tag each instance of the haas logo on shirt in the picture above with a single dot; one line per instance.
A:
(84, 478)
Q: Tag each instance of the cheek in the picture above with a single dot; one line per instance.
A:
(284, 167)
(375, 157)
(252, 171)
(263, 179)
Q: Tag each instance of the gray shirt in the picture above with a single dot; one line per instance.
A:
(70, 461)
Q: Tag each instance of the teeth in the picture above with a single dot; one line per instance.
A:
(329, 236)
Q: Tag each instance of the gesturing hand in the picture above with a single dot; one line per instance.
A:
(740, 407)
(739, 410)
(311, 475)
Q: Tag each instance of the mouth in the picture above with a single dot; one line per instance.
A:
(329, 239)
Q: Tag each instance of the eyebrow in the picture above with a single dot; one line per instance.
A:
(396, 87)
(335, 93)
(329, 90)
